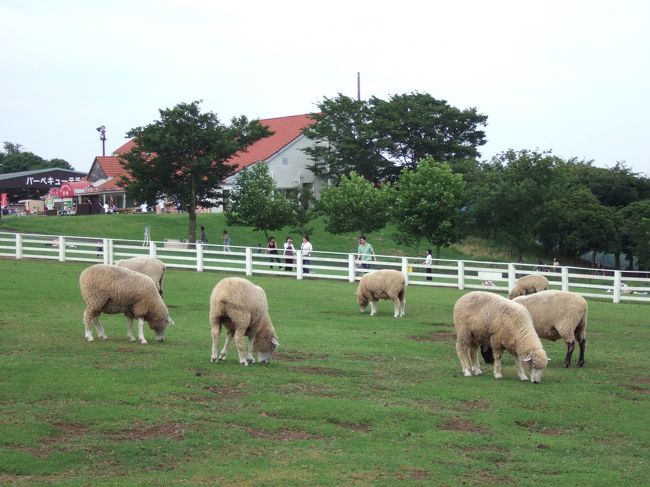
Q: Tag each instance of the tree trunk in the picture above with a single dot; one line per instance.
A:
(593, 258)
(617, 261)
(437, 251)
(630, 261)
(191, 211)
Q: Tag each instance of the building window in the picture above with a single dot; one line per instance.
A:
(285, 161)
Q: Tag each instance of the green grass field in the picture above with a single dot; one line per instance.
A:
(348, 399)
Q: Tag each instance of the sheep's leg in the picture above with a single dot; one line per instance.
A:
(129, 332)
(461, 350)
(216, 331)
(402, 307)
(398, 308)
(497, 362)
(99, 328)
(89, 320)
(226, 346)
(581, 357)
(249, 358)
(141, 337)
(570, 346)
(239, 342)
(473, 359)
(519, 367)
(373, 308)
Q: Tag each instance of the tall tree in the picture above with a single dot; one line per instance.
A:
(413, 126)
(426, 204)
(255, 201)
(344, 141)
(14, 159)
(635, 230)
(184, 155)
(355, 205)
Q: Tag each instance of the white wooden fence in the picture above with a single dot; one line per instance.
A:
(617, 286)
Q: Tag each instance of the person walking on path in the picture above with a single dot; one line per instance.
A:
(365, 253)
(204, 236)
(226, 241)
(289, 253)
(306, 249)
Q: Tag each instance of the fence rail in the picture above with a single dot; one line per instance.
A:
(617, 286)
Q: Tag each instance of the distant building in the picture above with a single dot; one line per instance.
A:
(35, 184)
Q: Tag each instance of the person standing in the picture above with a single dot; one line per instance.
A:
(556, 265)
(306, 249)
(428, 262)
(272, 250)
(365, 253)
(289, 252)
(204, 236)
(226, 241)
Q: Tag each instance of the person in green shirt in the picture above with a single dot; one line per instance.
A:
(365, 253)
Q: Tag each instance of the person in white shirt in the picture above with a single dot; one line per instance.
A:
(143, 207)
(289, 252)
(306, 249)
(428, 262)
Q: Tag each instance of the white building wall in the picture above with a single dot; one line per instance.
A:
(289, 167)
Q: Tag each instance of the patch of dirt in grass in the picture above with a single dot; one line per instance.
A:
(133, 349)
(199, 372)
(531, 425)
(363, 427)
(414, 474)
(639, 390)
(320, 371)
(485, 477)
(440, 336)
(307, 388)
(227, 392)
(642, 380)
(172, 430)
(280, 435)
(298, 356)
(65, 433)
(476, 404)
(366, 358)
(459, 424)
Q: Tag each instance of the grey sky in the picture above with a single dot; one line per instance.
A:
(568, 76)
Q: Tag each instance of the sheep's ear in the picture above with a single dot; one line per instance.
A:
(275, 342)
(528, 358)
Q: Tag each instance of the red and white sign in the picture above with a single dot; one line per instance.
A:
(3, 199)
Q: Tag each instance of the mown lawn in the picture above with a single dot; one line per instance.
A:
(348, 400)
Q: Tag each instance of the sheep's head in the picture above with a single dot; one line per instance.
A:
(537, 361)
(362, 301)
(266, 342)
(159, 326)
(514, 293)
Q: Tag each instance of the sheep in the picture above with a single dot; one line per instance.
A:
(242, 308)
(111, 289)
(559, 314)
(149, 266)
(530, 284)
(481, 317)
(382, 284)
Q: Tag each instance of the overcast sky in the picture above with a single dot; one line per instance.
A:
(562, 75)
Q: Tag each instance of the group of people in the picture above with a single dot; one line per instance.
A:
(289, 253)
(226, 239)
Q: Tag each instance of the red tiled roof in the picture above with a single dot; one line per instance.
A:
(110, 165)
(286, 129)
(126, 147)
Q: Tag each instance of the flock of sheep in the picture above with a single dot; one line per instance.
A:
(483, 320)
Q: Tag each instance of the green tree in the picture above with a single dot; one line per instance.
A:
(255, 201)
(344, 141)
(14, 159)
(184, 155)
(426, 204)
(355, 205)
(635, 232)
(302, 199)
(413, 126)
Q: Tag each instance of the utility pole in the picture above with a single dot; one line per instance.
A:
(102, 136)
(358, 86)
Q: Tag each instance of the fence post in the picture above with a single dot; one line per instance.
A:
(19, 246)
(153, 251)
(512, 276)
(199, 257)
(405, 270)
(351, 268)
(299, 264)
(617, 287)
(109, 248)
(461, 275)
(105, 252)
(249, 261)
(61, 248)
(565, 278)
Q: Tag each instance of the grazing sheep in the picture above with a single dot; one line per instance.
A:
(111, 289)
(530, 284)
(241, 307)
(149, 266)
(480, 317)
(382, 284)
(559, 314)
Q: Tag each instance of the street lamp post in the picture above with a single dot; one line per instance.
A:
(102, 137)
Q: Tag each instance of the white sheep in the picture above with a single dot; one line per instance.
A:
(559, 314)
(241, 307)
(111, 289)
(149, 266)
(382, 284)
(481, 317)
(530, 284)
